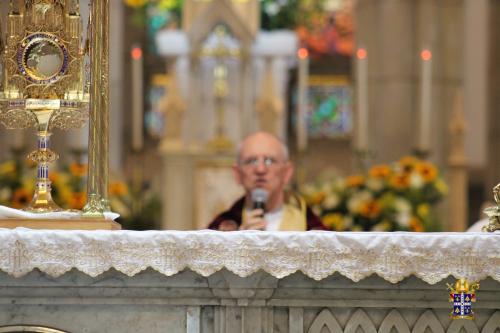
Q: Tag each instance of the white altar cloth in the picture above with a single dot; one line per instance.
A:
(318, 254)
(12, 213)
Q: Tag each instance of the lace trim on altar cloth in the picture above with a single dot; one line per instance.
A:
(431, 257)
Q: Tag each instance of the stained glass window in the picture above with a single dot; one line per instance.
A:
(329, 112)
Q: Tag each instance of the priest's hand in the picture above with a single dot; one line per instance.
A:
(254, 220)
(228, 225)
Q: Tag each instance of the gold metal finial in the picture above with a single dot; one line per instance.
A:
(493, 212)
(496, 193)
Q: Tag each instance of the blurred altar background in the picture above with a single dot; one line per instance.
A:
(390, 110)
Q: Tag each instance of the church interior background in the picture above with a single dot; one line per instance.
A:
(390, 110)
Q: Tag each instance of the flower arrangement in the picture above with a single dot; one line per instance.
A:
(325, 27)
(138, 209)
(155, 14)
(389, 197)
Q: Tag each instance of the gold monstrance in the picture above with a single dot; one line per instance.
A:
(44, 83)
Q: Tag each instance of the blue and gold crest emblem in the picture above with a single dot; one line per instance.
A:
(462, 295)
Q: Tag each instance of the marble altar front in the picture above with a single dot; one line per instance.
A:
(208, 281)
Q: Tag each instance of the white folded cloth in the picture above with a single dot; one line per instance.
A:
(478, 226)
(11, 213)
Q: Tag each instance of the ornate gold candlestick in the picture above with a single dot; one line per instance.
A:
(97, 186)
(494, 212)
(42, 199)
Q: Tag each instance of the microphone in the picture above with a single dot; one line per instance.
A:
(259, 198)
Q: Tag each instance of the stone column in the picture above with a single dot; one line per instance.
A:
(458, 166)
(475, 52)
(394, 32)
(448, 71)
(177, 196)
(386, 30)
(448, 61)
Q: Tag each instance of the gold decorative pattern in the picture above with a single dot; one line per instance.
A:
(392, 256)
(42, 59)
(44, 84)
(98, 137)
(494, 212)
(43, 156)
(70, 119)
(17, 118)
(104, 112)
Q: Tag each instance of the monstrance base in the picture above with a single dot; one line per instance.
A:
(42, 203)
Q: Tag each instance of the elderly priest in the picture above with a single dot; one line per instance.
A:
(263, 169)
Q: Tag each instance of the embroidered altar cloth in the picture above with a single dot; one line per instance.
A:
(318, 254)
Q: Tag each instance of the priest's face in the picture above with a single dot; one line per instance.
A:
(263, 163)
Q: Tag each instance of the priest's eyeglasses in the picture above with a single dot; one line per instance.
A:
(255, 161)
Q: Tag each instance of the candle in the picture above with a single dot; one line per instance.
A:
(137, 98)
(425, 101)
(362, 99)
(303, 74)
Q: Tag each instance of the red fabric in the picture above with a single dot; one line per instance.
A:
(234, 214)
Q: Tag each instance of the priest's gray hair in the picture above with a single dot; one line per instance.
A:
(286, 153)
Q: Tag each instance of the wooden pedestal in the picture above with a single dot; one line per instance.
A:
(67, 224)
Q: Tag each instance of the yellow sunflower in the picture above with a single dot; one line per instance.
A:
(117, 188)
(380, 171)
(20, 198)
(316, 198)
(355, 180)
(416, 224)
(371, 209)
(334, 221)
(77, 200)
(400, 181)
(427, 170)
(77, 169)
(423, 210)
(407, 163)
